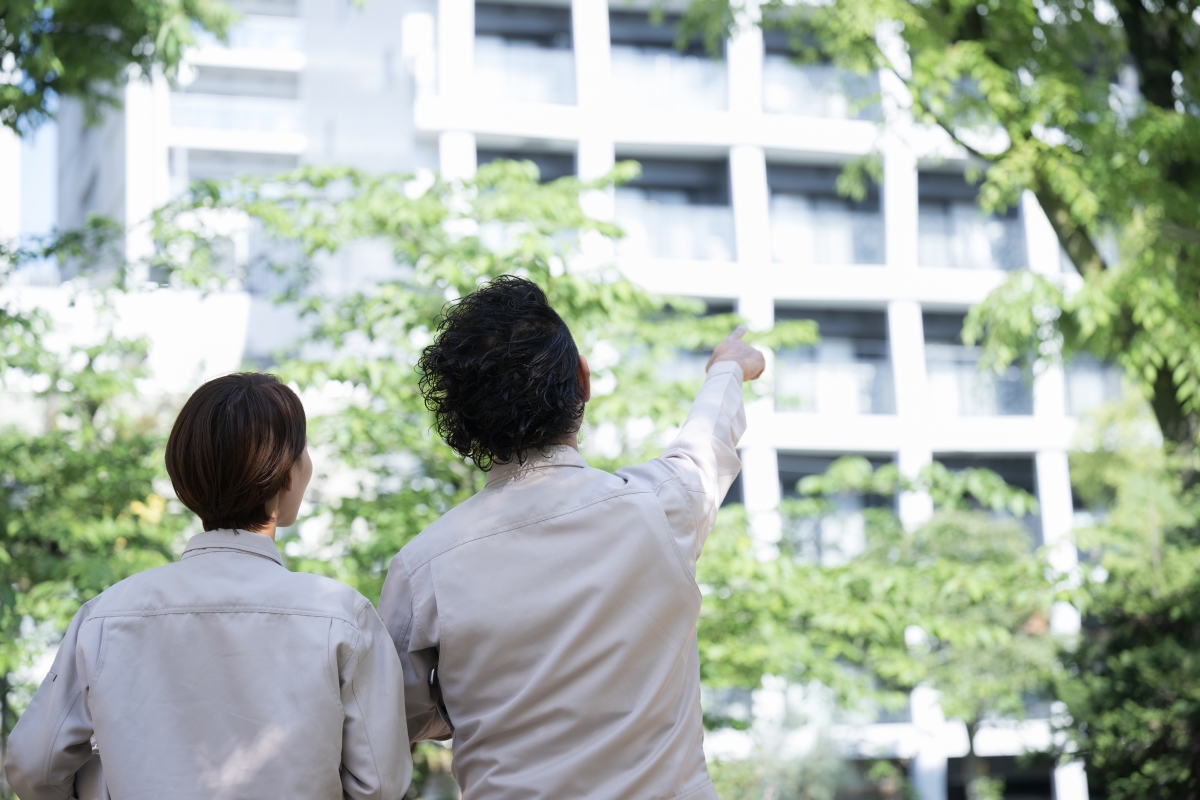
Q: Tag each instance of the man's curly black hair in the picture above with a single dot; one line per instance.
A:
(501, 376)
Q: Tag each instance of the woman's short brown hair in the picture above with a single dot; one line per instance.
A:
(232, 447)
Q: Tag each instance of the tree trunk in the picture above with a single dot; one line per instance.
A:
(971, 762)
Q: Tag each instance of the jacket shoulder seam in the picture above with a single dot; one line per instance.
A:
(180, 610)
(527, 523)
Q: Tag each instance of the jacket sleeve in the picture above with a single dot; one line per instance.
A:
(52, 739)
(418, 655)
(376, 760)
(697, 468)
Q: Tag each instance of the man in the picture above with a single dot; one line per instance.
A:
(548, 623)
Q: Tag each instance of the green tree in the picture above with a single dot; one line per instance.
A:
(960, 604)
(1091, 105)
(1132, 687)
(84, 48)
(79, 455)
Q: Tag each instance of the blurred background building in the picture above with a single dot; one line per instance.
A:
(737, 204)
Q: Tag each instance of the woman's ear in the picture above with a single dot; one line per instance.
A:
(584, 376)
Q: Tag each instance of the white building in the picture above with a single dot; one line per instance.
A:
(736, 205)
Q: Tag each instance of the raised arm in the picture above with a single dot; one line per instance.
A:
(52, 740)
(697, 468)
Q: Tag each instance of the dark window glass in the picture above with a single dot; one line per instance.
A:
(543, 25)
(551, 166)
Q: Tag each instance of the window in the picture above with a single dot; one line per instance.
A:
(551, 166)
(814, 90)
(954, 232)
(832, 539)
(848, 372)
(957, 387)
(649, 72)
(677, 209)
(812, 224)
(1017, 471)
(524, 53)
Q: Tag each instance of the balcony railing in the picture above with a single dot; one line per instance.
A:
(960, 236)
(818, 90)
(836, 377)
(651, 78)
(814, 230)
(235, 113)
(957, 387)
(524, 71)
(657, 226)
(259, 33)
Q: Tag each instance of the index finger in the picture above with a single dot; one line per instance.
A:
(738, 332)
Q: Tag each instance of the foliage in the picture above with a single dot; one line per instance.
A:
(961, 603)
(1091, 105)
(78, 507)
(1133, 687)
(84, 49)
(816, 775)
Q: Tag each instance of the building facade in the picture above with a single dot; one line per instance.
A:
(737, 204)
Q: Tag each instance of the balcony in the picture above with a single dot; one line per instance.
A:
(648, 72)
(848, 372)
(219, 112)
(958, 387)
(524, 54)
(954, 232)
(677, 209)
(812, 225)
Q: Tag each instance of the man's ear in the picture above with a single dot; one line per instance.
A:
(584, 376)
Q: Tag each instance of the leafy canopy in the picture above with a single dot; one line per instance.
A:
(84, 48)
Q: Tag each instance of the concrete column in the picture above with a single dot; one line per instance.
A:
(929, 768)
(906, 335)
(456, 155)
(593, 57)
(900, 205)
(595, 154)
(10, 185)
(751, 205)
(1057, 510)
(145, 148)
(1070, 782)
(456, 48)
(745, 58)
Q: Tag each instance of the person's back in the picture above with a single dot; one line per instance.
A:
(224, 675)
(553, 614)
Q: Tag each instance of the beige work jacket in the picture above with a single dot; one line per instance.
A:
(554, 615)
(225, 677)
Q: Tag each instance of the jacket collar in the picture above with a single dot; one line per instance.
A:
(558, 455)
(231, 541)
